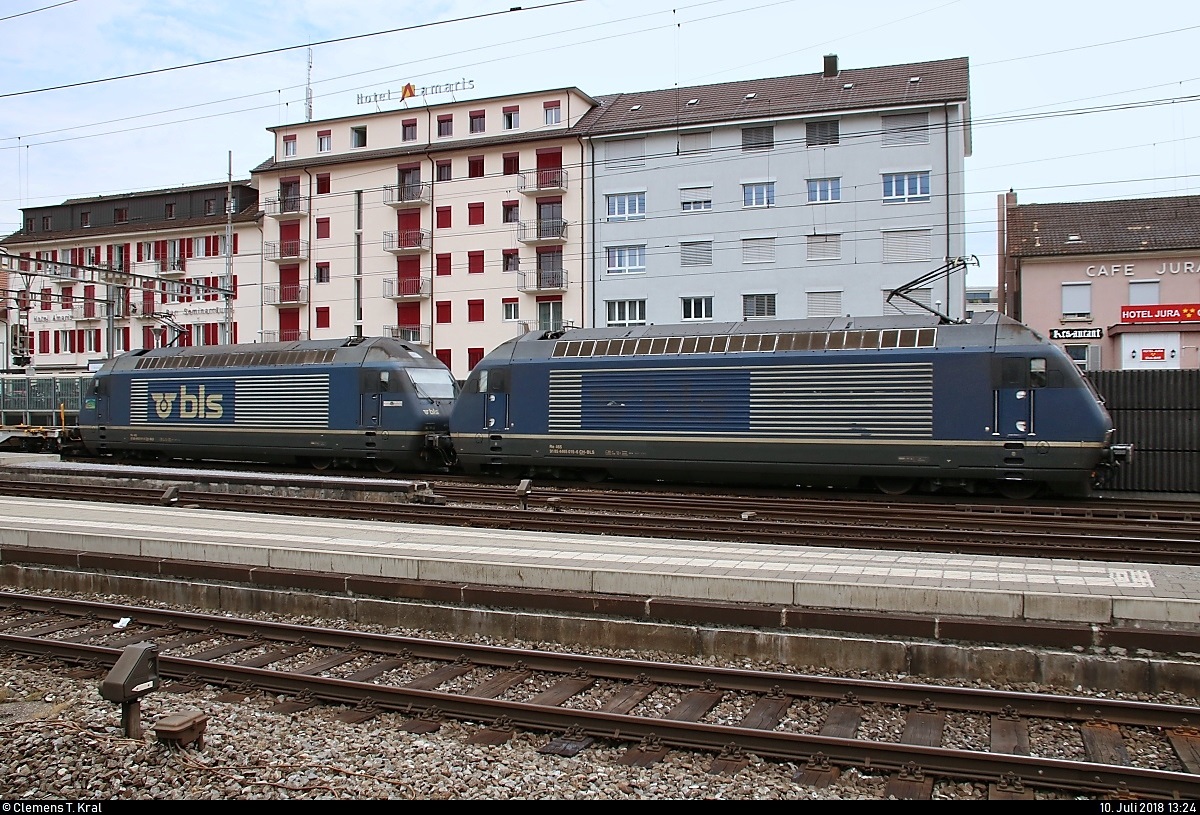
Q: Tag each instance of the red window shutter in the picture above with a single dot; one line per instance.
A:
(443, 217)
(125, 338)
(187, 248)
(475, 311)
(235, 283)
(443, 311)
(77, 346)
(443, 264)
(322, 227)
(474, 357)
(139, 252)
(43, 342)
(475, 214)
(474, 262)
(147, 337)
(235, 243)
(56, 343)
(89, 292)
(443, 355)
(208, 246)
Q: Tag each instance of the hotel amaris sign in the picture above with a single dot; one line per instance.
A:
(410, 91)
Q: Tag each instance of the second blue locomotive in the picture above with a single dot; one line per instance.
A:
(373, 401)
(899, 403)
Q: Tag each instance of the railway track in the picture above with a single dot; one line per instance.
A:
(1166, 535)
(1049, 743)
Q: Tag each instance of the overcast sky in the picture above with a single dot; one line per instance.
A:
(1071, 101)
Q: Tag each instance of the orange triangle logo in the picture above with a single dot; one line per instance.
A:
(408, 92)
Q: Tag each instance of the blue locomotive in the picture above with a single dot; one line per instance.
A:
(898, 403)
(363, 401)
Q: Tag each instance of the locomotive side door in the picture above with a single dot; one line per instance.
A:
(1020, 379)
(370, 399)
(493, 384)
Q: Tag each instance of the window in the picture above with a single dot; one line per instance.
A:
(629, 206)
(626, 259)
(322, 227)
(1143, 292)
(474, 357)
(85, 219)
(823, 190)
(210, 206)
(899, 305)
(443, 171)
(512, 117)
(324, 141)
(475, 167)
(475, 214)
(475, 311)
(170, 213)
(758, 195)
(512, 163)
(906, 128)
(46, 300)
(758, 138)
(408, 130)
(444, 356)
(824, 304)
(905, 187)
(442, 311)
(475, 262)
(695, 253)
(47, 223)
(1079, 355)
(691, 143)
(824, 247)
(758, 250)
(758, 306)
(442, 218)
(442, 264)
(626, 312)
(29, 225)
(121, 215)
(445, 125)
(477, 121)
(322, 316)
(625, 153)
(510, 212)
(512, 309)
(511, 260)
(358, 137)
(322, 183)
(322, 272)
(697, 308)
(289, 146)
(1077, 301)
(695, 199)
(908, 244)
(553, 113)
(820, 134)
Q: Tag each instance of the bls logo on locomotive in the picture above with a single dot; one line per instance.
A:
(198, 405)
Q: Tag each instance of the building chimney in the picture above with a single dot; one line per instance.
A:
(831, 68)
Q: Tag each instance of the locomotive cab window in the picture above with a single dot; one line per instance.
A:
(433, 383)
(1037, 372)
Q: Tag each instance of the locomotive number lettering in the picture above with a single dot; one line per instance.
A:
(559, 450)
(191, 405)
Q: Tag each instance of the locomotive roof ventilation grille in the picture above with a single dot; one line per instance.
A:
(851, 340)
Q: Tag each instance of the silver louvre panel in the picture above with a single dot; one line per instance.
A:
(695, 142)
(758, 250)
(625, 152)
(758, 138)
(899, 305)
(906, 128)
(566, 392)
(824, 247)
(691, 194)
(696, 253)
(824, 304)
(910, 244)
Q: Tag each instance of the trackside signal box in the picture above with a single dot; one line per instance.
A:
(134, 675)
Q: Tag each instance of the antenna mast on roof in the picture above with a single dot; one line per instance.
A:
(308, 90)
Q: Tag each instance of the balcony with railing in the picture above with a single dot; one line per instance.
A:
(543, 230)
(525, 326)
(404, 196)
(553, 179)
(284, 251)
(285, 207)
(406, 241)
(171, 267)
(285, 335)
(416, 334)
(115, 271)
(407, 288)
(89, 310)
(543, 280)
(285, 295)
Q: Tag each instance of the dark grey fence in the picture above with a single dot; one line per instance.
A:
(1158, 412)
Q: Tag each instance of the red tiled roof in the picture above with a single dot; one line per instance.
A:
(1089, 227)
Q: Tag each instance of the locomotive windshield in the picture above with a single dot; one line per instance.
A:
(433, 383)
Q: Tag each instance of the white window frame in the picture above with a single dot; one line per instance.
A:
(325, 143)
(1075, 296)
(906, 188)
(758, 195)
(552, 115)
(512, 312)
(625, 260)
(696, 309)
(289, 148)
(512, 119)
(625, 313)
(626, 206)
(824, 190)
(695, 199)
(760, 306)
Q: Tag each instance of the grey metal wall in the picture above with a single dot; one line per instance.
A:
(1159, 413)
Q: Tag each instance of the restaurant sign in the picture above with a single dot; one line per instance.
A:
(1076, 333)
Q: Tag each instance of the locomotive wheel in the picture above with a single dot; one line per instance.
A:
(895, 486)
(321, 463)
(384, 465)
(1018, 490)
